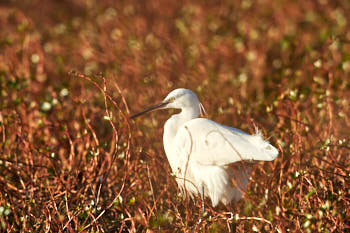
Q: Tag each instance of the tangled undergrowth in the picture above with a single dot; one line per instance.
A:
(72, 161)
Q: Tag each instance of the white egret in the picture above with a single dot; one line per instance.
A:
(208, 158)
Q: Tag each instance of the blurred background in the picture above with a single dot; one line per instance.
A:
(71, 72)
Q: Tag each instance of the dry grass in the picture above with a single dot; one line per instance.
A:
(71, 160)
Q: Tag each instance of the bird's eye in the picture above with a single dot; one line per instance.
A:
(172, 99)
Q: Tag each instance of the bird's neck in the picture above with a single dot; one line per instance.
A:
(187, 114)
(174, 123)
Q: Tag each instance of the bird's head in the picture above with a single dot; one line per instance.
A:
(179, 98)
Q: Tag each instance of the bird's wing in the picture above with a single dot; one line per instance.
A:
(209, 143)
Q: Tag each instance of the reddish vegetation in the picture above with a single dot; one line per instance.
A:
(71, 160)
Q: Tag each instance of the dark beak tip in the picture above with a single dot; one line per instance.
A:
(150, 109)
(132, 117)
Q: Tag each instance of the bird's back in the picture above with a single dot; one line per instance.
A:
(210, 143)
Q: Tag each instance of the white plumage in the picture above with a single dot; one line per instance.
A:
(207, 156)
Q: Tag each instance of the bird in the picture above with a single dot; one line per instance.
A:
(207, 158)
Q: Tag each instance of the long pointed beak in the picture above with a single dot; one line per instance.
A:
(150, 109)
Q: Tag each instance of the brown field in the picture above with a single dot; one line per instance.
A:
(71, 72)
